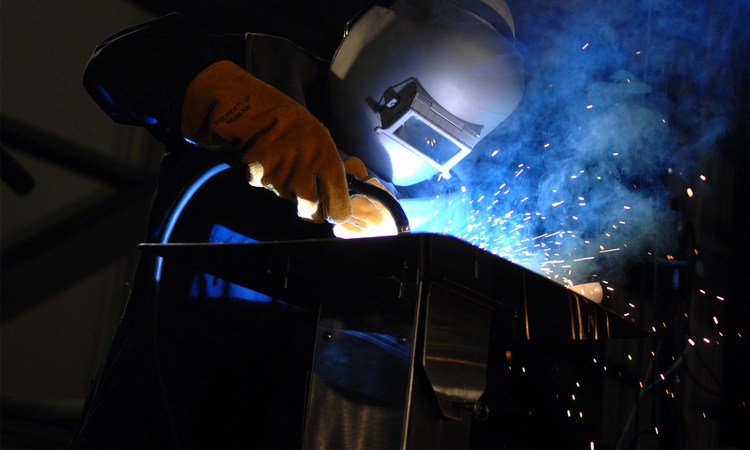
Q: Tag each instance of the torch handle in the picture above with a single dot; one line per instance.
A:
(392, 205)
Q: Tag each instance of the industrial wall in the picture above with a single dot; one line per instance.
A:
(65, 271)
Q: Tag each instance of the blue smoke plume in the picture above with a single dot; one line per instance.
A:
(620, 96)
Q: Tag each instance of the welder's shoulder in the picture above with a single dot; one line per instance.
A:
(282, 64)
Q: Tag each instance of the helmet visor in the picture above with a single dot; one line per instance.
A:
(413, 120)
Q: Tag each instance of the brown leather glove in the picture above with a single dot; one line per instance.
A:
(287, 150)
(369, 217)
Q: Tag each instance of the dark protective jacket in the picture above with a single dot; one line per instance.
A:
(200, 362)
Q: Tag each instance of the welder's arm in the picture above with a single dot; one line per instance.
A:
(171, 77)
(139, 76)
(286, 149)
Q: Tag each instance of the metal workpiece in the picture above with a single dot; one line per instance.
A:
(299, 271)
(359, 389)
(398, 371)
(454, 355)
(404, 323)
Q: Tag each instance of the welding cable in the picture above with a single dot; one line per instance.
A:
(167, 227)
(179, 204)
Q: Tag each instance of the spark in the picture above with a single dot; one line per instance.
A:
(703, 177)
(499, 231)
(590, 106)
(584, 47)
(689, 192)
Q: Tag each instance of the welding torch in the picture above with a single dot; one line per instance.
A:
(391, 204)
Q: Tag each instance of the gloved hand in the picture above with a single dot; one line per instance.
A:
(369, 217)
(287, 150)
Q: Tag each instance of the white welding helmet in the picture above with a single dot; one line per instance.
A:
(415, 86)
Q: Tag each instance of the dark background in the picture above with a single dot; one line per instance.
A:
(53, 261)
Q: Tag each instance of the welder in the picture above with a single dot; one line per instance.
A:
(260, 136)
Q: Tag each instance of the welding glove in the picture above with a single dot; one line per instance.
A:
(369, 217)
(286, 149)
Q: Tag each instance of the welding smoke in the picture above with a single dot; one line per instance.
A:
(619, 95)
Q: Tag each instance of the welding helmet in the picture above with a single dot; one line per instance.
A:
(416, 85)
